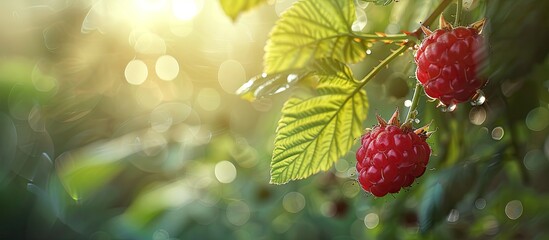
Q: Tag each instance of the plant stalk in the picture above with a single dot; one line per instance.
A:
(459, 9)
(415, 102)
(384, 63)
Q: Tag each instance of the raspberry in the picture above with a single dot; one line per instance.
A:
(448, 62)
(391, 157)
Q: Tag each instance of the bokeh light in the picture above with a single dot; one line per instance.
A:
(537, 119)
(186, 9)
(497, 133)
(238, 213)
(371, 220)
(167, 67)
(225, 172)
(293, 202)
(513, 209)
(477, 115)
(231, 75)
(209, 99)
(136, 72)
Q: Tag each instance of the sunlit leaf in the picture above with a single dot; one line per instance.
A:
(311, 30)
(156, 199)
(233, 8)
(82, 175)
(379, 2)
(314, 133)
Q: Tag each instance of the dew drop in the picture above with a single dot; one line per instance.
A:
(281, 89)
(291, 78)
(478, 99)
(453, 216)
(416, 120)
(408, 103)
(368, 52)
(450, 108)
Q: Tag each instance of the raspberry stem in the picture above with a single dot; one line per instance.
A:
(459, 9)
(385, 37)
(384, 62)
(415, 100)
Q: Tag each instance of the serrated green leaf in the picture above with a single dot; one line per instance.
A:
(310, 30)
(314, 133)
(233, 8)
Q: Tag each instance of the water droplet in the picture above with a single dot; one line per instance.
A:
(292, 78)
(408, 103)
(453, 216)
(368, 52)
(281, 89)
(416, 120)
(450, 108)
(478, 99)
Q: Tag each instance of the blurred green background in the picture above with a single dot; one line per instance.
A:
(118, 120)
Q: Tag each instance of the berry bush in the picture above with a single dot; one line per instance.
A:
(256, 119)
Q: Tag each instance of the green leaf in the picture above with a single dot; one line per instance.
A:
(313, 29)
(380, 2)
(314, 133)
(233, 8)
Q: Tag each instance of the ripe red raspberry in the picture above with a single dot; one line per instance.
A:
(448, 62)
(391, 157)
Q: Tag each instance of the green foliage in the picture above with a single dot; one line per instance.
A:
(84, 154)
(379, 2)
(449, 187)
(312, 30)
(314, 133)
(233, 8)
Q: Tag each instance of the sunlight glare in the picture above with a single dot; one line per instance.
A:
(185, 9)
(151, 5)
